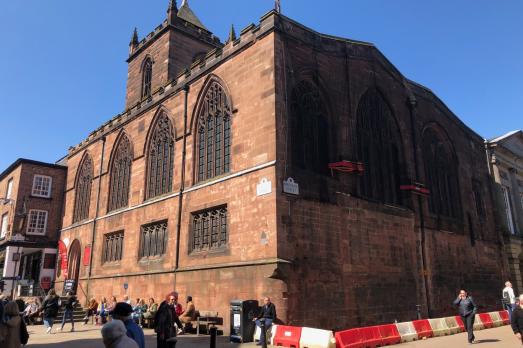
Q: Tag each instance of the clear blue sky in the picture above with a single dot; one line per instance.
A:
(63, 70)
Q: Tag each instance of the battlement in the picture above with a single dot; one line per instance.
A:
(247, 37)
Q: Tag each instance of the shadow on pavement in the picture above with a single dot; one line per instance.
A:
(487, 340)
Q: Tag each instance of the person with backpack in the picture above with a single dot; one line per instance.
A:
(50, 309)
(509, 299)
(15, 330)
(69, 305)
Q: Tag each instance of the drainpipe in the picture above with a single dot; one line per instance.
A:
(423, 248)
(93, 230)
(182, 183)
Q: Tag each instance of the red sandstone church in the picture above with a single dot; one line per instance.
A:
(285, 163)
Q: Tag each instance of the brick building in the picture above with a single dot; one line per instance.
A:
(505, 154)
(185, 188)
(31, 200)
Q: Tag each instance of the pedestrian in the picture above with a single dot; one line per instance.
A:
(517, 319)
(467, 310)
(12, 324)
(50, 309)
(113, 335)
(268, 315)
(70, 303)
(123, 311)
(509, 299)
(165, 321)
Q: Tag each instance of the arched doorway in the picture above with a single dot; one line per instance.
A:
(74, 262)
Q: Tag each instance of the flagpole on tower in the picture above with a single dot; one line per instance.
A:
(277, 6)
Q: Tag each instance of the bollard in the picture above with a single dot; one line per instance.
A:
(263, 334)
(213, 331)
(418, 310)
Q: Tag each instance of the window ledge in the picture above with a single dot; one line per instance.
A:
(216, 251)
(49, 198)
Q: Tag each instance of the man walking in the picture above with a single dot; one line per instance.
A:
(122, 311)
(467, 311)
(509, 299)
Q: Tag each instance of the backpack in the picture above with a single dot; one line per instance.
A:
(506, 297)
(24, 335)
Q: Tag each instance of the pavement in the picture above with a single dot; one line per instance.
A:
(89, 337)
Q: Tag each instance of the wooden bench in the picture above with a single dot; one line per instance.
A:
(207, 318)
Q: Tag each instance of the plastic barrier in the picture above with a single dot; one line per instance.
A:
(371, 336)
(349, 339)
(407, 331)
(486, 320)
(423, 328)
(478, 324)
(389, 334)
(287, 336)
(270, 335)
(453, 325)
(316, 338)
(460, 323)
(439, 327)
(504, 316)
(496, 319)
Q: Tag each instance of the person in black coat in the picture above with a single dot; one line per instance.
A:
(164, 321)
(517, 319)
(50, 309)
(70, 303)
(268, 315)
(467, 311)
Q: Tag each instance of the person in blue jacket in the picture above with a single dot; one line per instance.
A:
(123, 311)
(467, 310)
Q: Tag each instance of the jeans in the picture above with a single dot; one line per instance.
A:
(268, 323)
(510, 308)
(468, 321)
(68, 313)
(48, 322)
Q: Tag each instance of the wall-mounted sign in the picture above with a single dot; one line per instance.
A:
(291, 187)
(125, 286)
(62, 252)
(264, 187)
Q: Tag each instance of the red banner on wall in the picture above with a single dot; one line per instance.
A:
(62, 252)
(87, 255)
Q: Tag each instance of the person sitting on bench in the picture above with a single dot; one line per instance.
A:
(268, 314)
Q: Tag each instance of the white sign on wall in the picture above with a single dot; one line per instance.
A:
(291, 187)
(264, 187)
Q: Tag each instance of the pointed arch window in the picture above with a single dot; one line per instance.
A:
(147, 76)
(379, 148)
(120, 174)
(213, 134)
(160, 162)
(309, 128)
(441, 175)
(84, 179)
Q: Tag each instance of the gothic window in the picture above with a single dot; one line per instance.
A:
(84, 180)
(214, 134)
(153, 240)
(160, 162)
(113, 247)
(309, 128)
(120, 174)
(147, 76)
(379, 149)
(441, 175)
(209, 229)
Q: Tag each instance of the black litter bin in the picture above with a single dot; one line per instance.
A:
(242, 326)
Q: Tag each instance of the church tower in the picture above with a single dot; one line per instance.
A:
(166, 52)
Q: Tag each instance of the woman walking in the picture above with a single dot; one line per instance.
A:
(50, 309)
(467, 311)
(12, 323)
(70, 303)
